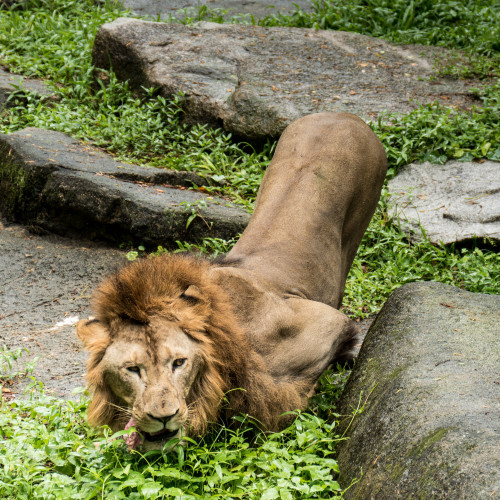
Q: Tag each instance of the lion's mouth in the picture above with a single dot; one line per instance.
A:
(160, 435)
(135, 439)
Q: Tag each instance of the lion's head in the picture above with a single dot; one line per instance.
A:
(164, 348)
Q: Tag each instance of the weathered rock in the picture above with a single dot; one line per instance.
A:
(254, 81)
(454, 202)
(163, 9)
(428, 380)
(49, 180)
(10, 83)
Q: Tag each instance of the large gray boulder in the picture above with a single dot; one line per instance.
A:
(454, 202)
(254, 81)
(53, 182)
(427, 382)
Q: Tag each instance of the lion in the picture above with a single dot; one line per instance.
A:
(178, 343)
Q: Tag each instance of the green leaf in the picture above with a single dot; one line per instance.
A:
(132, 255)
(286, 494)
(151, 489)
(218, 471)
(135, 480)
(485, 148)
(191, 218)
(270, 494)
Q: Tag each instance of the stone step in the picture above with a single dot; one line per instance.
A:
(52, 182)
(455, 202)
(10, 83)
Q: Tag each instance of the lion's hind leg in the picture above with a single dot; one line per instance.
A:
(321, 336)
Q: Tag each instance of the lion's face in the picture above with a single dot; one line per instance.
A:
(149, 371)
(162, 350)
(152, 372)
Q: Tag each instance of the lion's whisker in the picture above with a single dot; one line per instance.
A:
(125, 411)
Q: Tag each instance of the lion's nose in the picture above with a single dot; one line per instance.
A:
(164, 419)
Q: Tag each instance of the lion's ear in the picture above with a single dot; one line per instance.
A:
(193, 294)
(93, 334)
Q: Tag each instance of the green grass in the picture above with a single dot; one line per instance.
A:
(49, 452)
(148, 129)
(47, 449)
(53, 40)
(450, 23)
(436, 133)
(386, 260)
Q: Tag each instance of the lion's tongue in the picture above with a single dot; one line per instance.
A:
(134, 439)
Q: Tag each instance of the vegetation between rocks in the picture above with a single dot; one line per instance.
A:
(47, 449)
(49, 452)
(148, 129)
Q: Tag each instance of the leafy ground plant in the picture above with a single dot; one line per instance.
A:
(47, 449)
(386, 260)
(149, 129)
(437, 133)
(457, 23)
(49, 452)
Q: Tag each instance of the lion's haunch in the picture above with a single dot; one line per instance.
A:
(178, 342)
(313, 206)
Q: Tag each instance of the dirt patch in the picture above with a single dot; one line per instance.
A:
(45, 287)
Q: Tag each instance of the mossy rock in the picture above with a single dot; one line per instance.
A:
(426, 387)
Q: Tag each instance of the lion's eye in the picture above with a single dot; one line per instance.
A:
(134, 369)
(179, 362)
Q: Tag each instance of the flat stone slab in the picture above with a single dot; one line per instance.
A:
(427, 379)
(163, 9)
(254, 81)
(53, 182)
(10, 82)
(454, 202)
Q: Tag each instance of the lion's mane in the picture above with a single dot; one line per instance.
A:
(233, 378)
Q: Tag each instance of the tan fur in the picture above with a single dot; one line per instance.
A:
(153, 288)
(261, 323)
